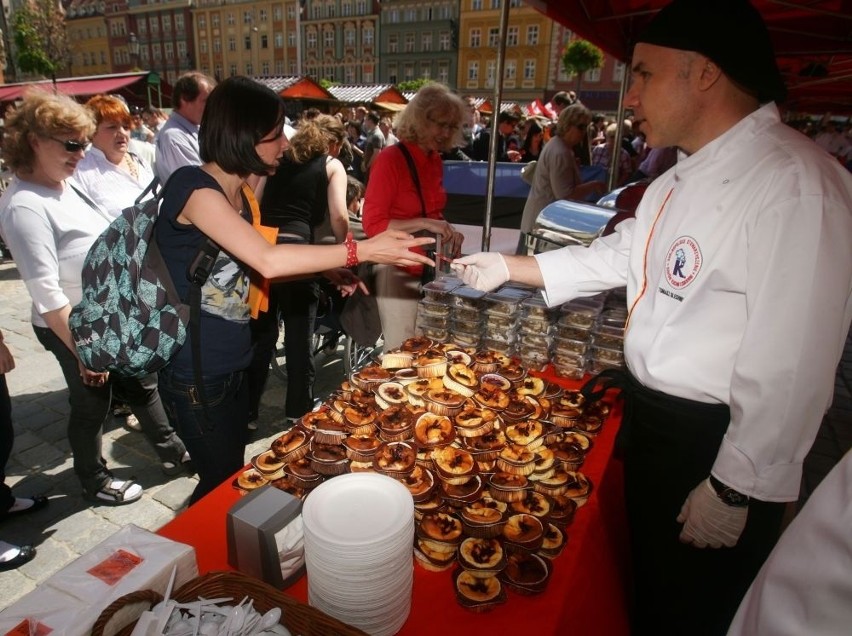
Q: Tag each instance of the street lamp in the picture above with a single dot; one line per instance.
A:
(133, 47)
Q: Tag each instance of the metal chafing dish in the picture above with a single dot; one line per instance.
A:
(564, 223)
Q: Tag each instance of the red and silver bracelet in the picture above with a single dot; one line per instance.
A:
(351, 250)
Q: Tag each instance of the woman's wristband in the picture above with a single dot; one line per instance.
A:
(351, 251)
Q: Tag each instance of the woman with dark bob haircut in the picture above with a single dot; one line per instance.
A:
(241, 135)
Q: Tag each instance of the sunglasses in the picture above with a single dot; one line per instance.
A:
(71, 145)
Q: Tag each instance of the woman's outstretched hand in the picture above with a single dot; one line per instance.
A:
(393, 247)
(345, 281)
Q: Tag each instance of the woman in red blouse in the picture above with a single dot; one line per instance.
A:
(429, 125)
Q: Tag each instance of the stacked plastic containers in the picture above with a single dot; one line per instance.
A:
(589, 335)
(585, 335)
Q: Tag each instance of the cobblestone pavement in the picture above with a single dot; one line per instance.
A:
(41, 458)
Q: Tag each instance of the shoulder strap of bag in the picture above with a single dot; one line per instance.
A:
(410, 161)
(90, 203)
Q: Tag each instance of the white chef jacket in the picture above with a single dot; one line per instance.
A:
(747, 277)
(805, 585)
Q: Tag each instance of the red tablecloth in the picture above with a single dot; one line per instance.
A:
(587, 593)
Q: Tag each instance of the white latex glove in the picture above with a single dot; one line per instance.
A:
(709, 521)
(483, 271)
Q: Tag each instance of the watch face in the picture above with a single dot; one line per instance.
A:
(733, 498)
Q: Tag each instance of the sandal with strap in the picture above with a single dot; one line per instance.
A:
(115, 493)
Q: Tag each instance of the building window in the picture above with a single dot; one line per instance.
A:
(291, 38)
(392, 73)
(279, 67)
(233, 70)
(473, 71)
(277, 13)
(393, 16)
(247, 43)
(202, 21)
(409, 43)
(367, 36)
(529, 69)
(157, 52)
(511, 69)
(349, 37)
(265, 69)
(232, 19)
(532, 35)
(264, 41)
(410, 15)
(368, 75)
(444, 39)
(214, 20)
(232, 43)
(618, 72)
(249, 69)
(393, 43)
(142, 26)
(181, 50)
(426, 42)
(278, 39)
(154, 25)
(512, 36)
(169, 51)
(218, 71)
(330, 10)
(490, 73)
(408, 71)
(179, 24)
(291, 11)
(592, 75)
(444, 72)
(349, 75)
(476, 5)
(361, 7)
(475, 38)
(217, 45)
(167, 24)
(425, 70)
(247, 17)
(346, 8)
(312, 40)
(263, 16)
(493, 38)
(328, 39)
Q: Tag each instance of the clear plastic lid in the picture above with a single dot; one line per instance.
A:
(467, 297)
(535, 307)
(437, 290)
(429, 308)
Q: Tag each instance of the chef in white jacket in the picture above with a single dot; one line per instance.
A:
(738, 270)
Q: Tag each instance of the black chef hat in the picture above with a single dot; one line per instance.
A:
(729, 32)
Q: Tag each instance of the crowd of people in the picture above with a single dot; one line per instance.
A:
(737, 269)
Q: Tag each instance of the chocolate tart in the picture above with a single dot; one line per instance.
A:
(390, 393)
(361, 448)
(291, 445)
(481, 557)
(554, 542)
(440, 526)
(528, 433)
(420, 483)
(458, 495)
(507, 487)
(397, 359)
(434, 556)
(516, 459)
(328, 459)
(443, 401)
(395, 459)
(478, 594)
(249, 479)
(268, 465)
(454, 465)
(486, 447)
(562, 510)
(416, 344)
(534, 503)
(524, 530)
(525, 573)
(461, 379)
(431, 363)
(432, 431)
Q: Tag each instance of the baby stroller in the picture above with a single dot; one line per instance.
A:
(329, 336)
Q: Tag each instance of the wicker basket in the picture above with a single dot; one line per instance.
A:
(297, 617)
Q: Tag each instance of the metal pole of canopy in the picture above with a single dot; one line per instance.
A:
(615, 160)
(495, 133)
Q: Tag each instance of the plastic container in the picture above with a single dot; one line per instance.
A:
(605, 354)
(534, 307)
(531, 324)
(439, 290)
(569, 346)
(578, 315)
(431, 308)
(534, 358)
(496, 323)
(467, 297)
(610, 337)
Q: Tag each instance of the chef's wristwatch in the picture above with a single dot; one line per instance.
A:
(727, 494)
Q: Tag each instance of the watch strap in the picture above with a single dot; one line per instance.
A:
(727, 494)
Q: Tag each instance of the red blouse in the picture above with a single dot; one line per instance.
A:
(391, 193)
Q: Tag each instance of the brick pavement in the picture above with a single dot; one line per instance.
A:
(41, 458)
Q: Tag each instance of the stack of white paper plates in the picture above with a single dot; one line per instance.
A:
(359, 531)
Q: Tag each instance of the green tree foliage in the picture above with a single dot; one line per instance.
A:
(580, 56)
(40, 38)
(412, 86)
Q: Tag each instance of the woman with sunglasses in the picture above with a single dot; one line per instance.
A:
(111, 173)
(50, 225)
(429, 125)
(557, 174)
(241, 135)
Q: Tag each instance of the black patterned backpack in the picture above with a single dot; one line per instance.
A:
(131, 320)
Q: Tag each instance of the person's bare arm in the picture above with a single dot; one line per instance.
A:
(337, 212)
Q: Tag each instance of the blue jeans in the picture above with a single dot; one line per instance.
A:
(90, 407)
(215, 436)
